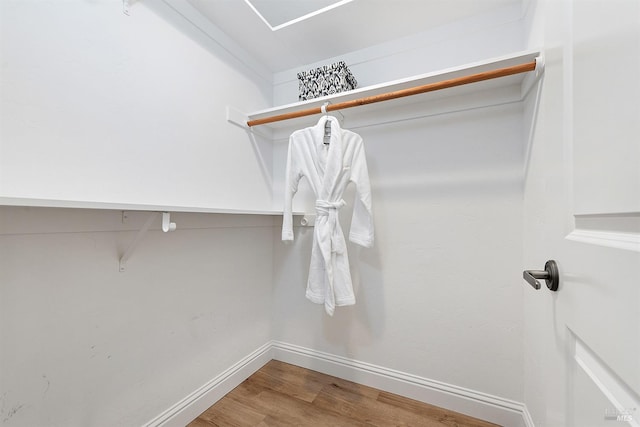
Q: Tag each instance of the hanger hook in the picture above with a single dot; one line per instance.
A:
(167, 225)
(324, 108)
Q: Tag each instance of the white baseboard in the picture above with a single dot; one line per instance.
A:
(185, 411)
(491, 408)
(495, 409)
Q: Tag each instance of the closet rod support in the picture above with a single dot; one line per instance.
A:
(127, 254)
(532, 79)
(539, 65)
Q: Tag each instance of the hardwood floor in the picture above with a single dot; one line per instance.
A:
(280, 394)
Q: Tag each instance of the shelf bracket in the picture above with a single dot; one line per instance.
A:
(127, 254)
(167, 226)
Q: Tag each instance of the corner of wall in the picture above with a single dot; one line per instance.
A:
(469, 402)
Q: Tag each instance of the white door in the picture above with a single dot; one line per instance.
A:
(582, 209)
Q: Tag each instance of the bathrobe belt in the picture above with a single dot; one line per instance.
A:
(330, 210)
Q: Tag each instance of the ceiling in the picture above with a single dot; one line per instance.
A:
(353, 25)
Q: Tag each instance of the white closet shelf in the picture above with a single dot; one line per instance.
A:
(519, 84)
(75, 204)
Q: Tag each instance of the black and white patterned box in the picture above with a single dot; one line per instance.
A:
(325, 80)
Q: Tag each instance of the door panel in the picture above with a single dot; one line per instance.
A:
(606, 112)
(582, 208)
(604, 147)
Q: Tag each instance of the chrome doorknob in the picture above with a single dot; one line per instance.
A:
(550, 274)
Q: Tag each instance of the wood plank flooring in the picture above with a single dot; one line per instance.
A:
(280, 394)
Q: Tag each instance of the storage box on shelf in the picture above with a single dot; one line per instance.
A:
(325, 80)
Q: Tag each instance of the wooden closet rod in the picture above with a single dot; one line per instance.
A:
(430, 87)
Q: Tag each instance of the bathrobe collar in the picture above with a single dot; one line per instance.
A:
(333, 165)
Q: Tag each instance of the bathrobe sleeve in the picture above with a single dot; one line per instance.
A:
(292, 178)
(362, 220)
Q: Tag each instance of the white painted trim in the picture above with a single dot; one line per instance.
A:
(627, 241)
(481, 405)
(200, 400)
(459, 399)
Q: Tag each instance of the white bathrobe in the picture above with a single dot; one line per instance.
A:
(329, 168)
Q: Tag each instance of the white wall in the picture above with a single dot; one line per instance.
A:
(86, 345)
(440, 294)
(100, 106)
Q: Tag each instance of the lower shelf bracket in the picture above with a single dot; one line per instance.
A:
(167, 226)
